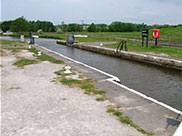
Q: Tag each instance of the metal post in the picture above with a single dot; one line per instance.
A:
(126, 48)
(155, 41)
(121, 48)
(142, 40)
(147, 42)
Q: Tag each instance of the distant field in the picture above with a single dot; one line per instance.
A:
(167, 34)
(173, 34)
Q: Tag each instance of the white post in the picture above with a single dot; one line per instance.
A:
(22, 38)
(39, 53)
(67, 71)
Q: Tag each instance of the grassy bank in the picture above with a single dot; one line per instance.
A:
(78, 39)
(12, 43)
(170, 51)
(166, 34)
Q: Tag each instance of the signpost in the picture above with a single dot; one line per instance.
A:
(156, 34)
(145, 33)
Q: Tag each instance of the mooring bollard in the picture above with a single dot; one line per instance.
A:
(67, 70)
(22, 38)
(39, 53)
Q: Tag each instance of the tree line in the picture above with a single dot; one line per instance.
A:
(113, 27)
(22, 25)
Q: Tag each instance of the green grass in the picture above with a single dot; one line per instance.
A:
(107, 36)
(128, 121)
(23, 62)
(53, 35)
(58, 72)
(85, 84)
(115, 36)
(100, 99)
(45, 57)
(171, 51)
(70, 82)
(34, 50)
(11, 43)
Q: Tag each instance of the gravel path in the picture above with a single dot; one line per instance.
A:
(32, 105)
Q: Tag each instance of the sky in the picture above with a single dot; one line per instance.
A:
(94, 11)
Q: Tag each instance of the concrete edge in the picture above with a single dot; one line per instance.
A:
(160, 61)
(113, 79)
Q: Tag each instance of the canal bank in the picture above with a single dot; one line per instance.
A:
(151, 59)
(146, 113)
(160, 83)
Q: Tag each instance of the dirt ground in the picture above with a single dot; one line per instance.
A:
(33, 105)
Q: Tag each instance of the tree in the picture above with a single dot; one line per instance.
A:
(102, 27)
(1, 31)
(5, 26)
(74, 27)
(92, 28)
(19, 25)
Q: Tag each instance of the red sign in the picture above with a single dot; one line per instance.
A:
(156, 33)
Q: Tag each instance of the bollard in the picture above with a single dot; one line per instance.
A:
(22, 38)
(67, 70)
(39, 53)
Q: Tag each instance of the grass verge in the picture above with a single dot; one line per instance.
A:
(23, 62)
(45, 57)
(170, 51)
(11, 43)
(100, 99)
(127, 120)
(85, 84)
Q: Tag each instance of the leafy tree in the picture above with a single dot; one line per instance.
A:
(1, 31)
(5, 26)
(19, 25)
(102, 27)
(92, 28)
(74, 27)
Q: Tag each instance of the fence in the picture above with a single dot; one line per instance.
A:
(163, 40)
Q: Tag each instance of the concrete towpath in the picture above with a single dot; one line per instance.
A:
(32, 105)
(148, 114)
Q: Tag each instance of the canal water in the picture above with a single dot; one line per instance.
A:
(160, 83)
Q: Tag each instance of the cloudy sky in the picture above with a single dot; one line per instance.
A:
(97, 11)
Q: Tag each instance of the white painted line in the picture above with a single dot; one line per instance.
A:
(146, 97)
(178, 131)
(114, 78)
